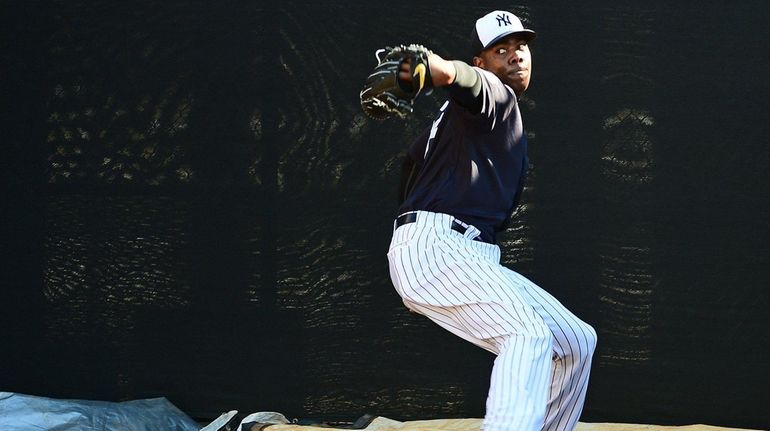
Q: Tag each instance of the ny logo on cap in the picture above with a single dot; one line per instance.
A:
(503, 19)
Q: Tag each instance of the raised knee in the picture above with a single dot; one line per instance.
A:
(591, 339)
(582, 342)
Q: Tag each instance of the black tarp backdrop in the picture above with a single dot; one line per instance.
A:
(195, 207)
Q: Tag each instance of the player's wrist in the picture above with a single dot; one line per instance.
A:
(442, 71)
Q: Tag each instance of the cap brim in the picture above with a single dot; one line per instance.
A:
(525, 34)
(476, 46)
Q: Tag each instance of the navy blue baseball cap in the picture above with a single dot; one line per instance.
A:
(494, 26)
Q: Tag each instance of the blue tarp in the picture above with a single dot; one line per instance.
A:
(20, 412)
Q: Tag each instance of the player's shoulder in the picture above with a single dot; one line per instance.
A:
(487, 74)
(500, 103)
(491, 80)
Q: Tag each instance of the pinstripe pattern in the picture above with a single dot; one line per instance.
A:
(540, 375)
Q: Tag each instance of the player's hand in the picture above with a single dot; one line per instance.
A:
(403, 73)
(442, 72)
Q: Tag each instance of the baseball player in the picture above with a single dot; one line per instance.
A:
(465, 180)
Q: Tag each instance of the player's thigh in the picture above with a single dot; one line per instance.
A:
(456, 322)
(572, 336)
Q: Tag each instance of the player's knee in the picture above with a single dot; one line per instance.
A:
(590, 339)
(594, 338)
(582, 341)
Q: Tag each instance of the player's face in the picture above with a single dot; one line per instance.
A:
(510, 60)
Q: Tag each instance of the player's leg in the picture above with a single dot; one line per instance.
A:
(574, 344)
(519, 383)
(459, 285)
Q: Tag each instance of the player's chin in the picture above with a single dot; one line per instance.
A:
(518, 84)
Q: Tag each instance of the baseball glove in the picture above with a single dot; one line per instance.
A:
(384, 94)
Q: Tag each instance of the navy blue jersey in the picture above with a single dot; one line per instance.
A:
(471, 166)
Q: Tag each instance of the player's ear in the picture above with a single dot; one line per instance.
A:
(478, 62)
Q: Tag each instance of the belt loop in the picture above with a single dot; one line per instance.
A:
(472, 232)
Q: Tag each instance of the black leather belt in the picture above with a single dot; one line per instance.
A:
(412, 217)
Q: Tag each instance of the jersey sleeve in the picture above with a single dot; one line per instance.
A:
(482, 93)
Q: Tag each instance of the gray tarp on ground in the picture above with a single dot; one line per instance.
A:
(20, 412)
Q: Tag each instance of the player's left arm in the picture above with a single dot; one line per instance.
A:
(464, 83)
(442, 72)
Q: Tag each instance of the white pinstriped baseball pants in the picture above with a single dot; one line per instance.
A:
(540, 375)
